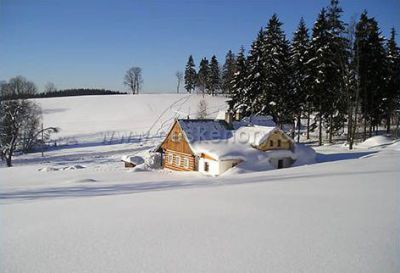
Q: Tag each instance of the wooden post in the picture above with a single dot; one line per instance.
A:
(42, 141)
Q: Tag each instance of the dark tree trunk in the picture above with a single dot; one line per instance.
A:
(298, 128)
(308, 125)
(388, 125)
(320, 131)
(330, 128)
(350, 126)
(365, 129)
(8, 160)
(370, 130)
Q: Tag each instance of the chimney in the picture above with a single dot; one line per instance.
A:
(229, 117)
(238, 115)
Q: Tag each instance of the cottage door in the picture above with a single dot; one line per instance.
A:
(280, 163)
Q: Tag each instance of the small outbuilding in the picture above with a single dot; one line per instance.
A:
(132, 161)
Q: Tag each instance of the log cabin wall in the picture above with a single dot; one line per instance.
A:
(179, 161)
(177, 153)
(276, 141)
(175, 141)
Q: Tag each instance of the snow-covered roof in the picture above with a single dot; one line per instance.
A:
(255, 120)
(197, 130)
(137, 160)
(216, 139)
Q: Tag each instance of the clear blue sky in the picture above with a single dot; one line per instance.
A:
(91, 43)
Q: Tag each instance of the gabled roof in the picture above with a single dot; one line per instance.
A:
(197, 130)
(254, 135)
(216, 139)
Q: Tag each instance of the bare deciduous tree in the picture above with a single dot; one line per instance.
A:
(133, 79)
(20, 119)
(18, 87)
(179, 79)
(50, 87)
(202, 111)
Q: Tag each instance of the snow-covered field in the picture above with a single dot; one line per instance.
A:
(79, 210)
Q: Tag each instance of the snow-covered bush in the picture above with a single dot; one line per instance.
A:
(153, 160)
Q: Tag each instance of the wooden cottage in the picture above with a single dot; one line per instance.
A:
(214, 146)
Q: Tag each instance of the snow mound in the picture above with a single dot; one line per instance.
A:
(48, 169)
(257, 163)
(304, 155)
(395, 146)
(140, 168)
(74, 167)
(376, 141)
(85, 180)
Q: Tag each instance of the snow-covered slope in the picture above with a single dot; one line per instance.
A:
(335, 217)
(79, 210)
(97, 116)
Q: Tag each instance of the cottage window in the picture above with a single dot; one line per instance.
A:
(271, 143)
(186, 162)
(174, 137)
(170, 158)
(206, 167)
(279, 143)
(177, 160)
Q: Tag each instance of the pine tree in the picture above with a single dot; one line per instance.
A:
(378, 59)
(319, 69)
(190, 75)
(351, 86)
(371, 57)
(392, 89)
(276, 71)
(255, 79)
(228, 71)
(239, 84)
(203, 76)
(215, 76)
(300, 77)
(338, 60)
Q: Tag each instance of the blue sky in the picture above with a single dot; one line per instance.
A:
(91, 43)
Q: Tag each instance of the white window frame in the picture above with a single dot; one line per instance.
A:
(177, 160)
(186, 162)
(170, 158)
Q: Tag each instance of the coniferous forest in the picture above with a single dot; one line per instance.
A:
(337, 78)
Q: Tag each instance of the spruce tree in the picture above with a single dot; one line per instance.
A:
(203, 76)
(378, 60)
(253, 101)
(228, 71)
(239, 84)
(338, 62)
(320, 69)
(276, 71)
(190, 75)
(215, 76)
(371, 73)
(300, 77)
(393, 78)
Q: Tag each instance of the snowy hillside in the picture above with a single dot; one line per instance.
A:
(79, 210)
(94, 117)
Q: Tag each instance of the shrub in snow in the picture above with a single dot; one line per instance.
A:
(153, 160)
